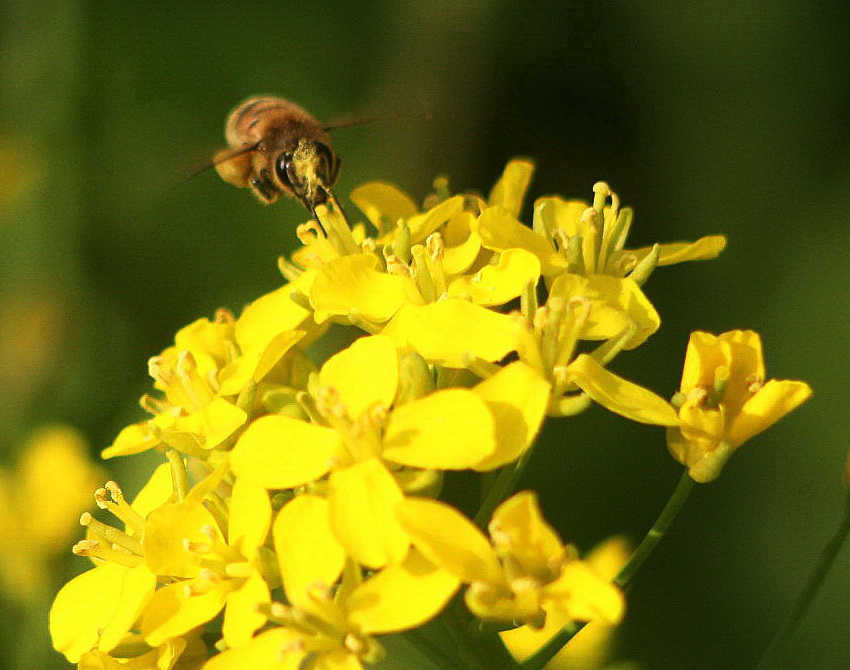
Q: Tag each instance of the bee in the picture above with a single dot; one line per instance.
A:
(277, 148)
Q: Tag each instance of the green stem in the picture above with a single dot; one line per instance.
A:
(502, 487)
(810, 590)
(545, 654)
(483, 651)
(658, 530)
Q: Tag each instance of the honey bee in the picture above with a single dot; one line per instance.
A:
(277, 148)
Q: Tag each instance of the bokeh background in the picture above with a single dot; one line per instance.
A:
(707, 117)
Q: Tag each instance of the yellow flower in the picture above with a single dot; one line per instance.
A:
(587, 238)
(724, 400)
(372, 442)
(591, 649)
(522, 573)
(184, 653)
(400, 224)
(169, 571)
(97, 609)
(184, 540)
(215, 373)
(419, 258)
(550, 337)
(40, 504)
(334, 628)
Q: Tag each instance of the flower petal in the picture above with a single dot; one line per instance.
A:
(444, 332)
(262, 653)
(500, 230)
(703, 249)
(509, 191)
(353, 284)
(583, 596)
(134, 439)
(271, 314)
(279, 452)
(448, 539)
(619, 395)
(214, 423)
(172, 612)
(364, 374)
(426, 223)
(83, 607)
(241, 616)
(462, 243)
(383, 204)
(517, 397)
(158, 491)
(401, 596)
(306, 548)
(363, 498)
(138, 586)
(448, 430)
(770, 403)
(497, 284)
(250, 517)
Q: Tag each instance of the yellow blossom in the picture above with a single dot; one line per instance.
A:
(184, 540)
(210, 377)
(421, 257)
(550, 337)
(40, 502)
(369, 444)
(169, 571)
(96, 609)
(592, 648)
(521, 573)
(724, 400)
(183, 653)
(334, 628)
(590, 238)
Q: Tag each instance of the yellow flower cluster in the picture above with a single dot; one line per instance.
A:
(299, 500)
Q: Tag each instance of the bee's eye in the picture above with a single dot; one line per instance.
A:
(282, 168)
(329, 163)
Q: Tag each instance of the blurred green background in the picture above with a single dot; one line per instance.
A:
(706, 117)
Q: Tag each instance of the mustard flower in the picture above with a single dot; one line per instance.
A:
(371, 444)
(184, 540)
(167, 572)
(587, 238)
(549, 341)
(420, 258)
(724, 400)
(333, 612)
(209, 377)
(521, 573)
(97, 609)
(593, 647)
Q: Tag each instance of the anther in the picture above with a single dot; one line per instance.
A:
(85, 547)
(224, 316)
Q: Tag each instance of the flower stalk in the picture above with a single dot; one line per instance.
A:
(797, 614)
